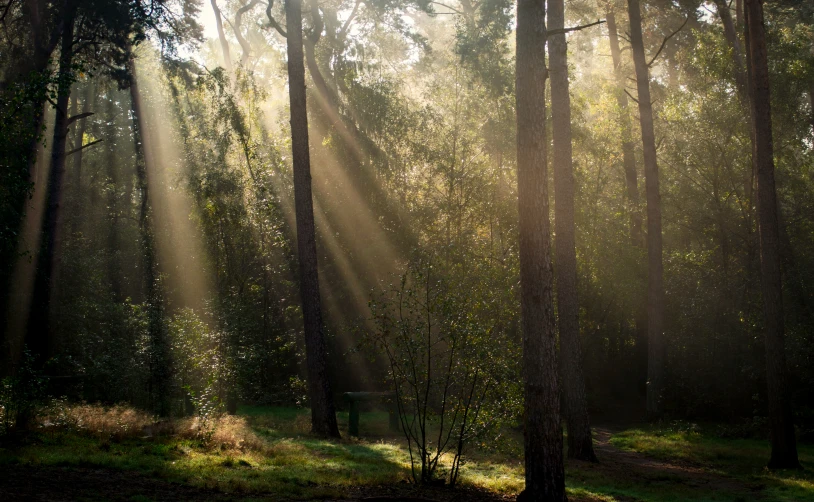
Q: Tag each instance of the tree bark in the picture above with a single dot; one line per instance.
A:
(38, 335)
(784, 445)
(160, 361)
(655, 266)
(545, 479)
(224, 44)
(323, 413)
(580, 444)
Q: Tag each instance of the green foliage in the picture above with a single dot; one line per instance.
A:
(447, 364)
(20, 396)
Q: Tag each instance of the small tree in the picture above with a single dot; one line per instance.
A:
(446, 365)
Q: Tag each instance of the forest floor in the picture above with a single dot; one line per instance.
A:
(266, 454)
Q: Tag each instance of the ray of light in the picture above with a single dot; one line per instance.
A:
(180, 250)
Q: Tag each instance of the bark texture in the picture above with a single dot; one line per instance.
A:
(545, 479)
(784, 444)
(580, 444)
(323, 413)
(655, 266)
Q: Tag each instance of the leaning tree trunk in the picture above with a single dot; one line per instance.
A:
(159, 359)
(224, 44)
(323, 413)
(545, 479)
(655, 267)
(38, 335)
(784, 445)
(580, 445)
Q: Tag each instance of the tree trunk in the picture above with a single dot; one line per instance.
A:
(784, 445)
(545, 478)
(38, 336)
(655, 267)
(323, 414)
(628, 148)
(580, 445)
(634, 206)
(159, 362)
(734, 44)
(224, 44)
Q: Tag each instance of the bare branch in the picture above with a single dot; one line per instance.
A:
(344, 30)
(73, 119)
(671, 35)
(561, 31)
(83, 147)
(273, 22)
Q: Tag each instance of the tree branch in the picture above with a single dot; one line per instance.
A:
(83, 147)
(273, 22)
(344, 30)
(73, 119)
(562, 31)
(671, 35)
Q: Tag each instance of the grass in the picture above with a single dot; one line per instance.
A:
(267, 450)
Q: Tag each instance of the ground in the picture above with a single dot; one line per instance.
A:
(266, 454)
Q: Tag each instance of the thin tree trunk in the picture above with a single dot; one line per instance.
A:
(734, 44)
(38, 336)
(634, 205)
(77, 156)
(628, 148)
(655, 266)
(323, 413)
(224, 44)
(160, 362)
(580, 445)
(545, 479)
(784, 445)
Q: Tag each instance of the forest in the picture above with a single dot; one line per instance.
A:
(407, 250)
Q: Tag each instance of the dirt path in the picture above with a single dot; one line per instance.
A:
(632, 465)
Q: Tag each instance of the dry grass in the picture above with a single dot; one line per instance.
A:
(117, 423)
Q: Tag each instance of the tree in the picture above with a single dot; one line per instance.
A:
(224, 44)
(632, 186)
(545, 478)
(655, 266)
(580, 445)
(323, 414)
(784, 445)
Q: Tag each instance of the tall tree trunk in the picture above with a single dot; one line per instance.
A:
(323, 413)
(580, 445)
(160, 361)
(634, 207)
(734, 45)
(545, 478)
(628, 148)
(38, 336)
(784, 445)
(78, 155)
(224, 44)
(655, 267)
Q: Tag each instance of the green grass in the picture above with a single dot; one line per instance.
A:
(740, 460)
(269, 451)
